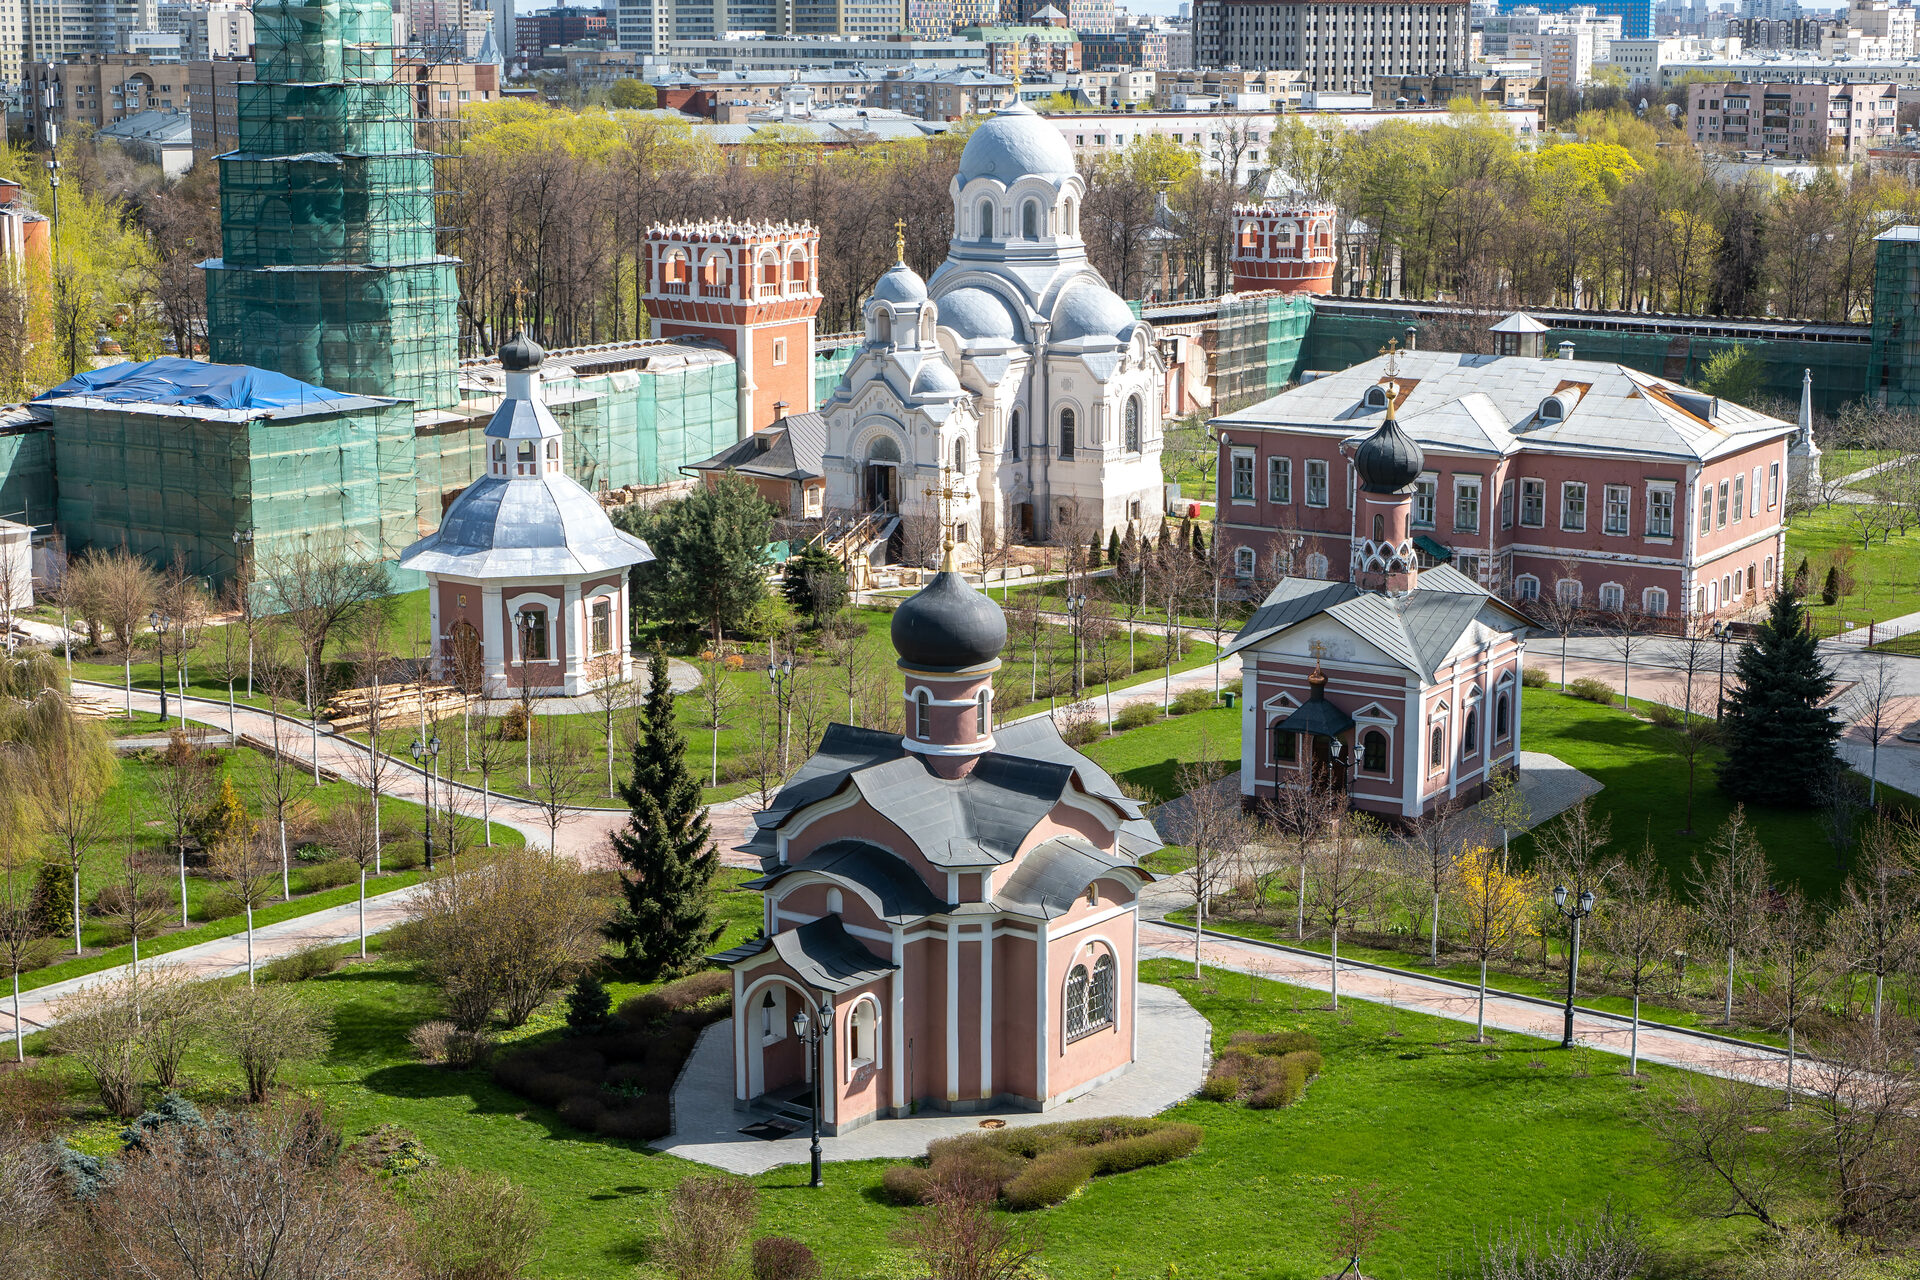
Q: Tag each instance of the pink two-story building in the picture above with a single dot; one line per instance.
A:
(1587, 479)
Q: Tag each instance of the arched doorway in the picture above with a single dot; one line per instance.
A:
(776, 1060)
(882, 475)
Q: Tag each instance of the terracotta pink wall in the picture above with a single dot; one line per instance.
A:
(1349, 692)
(540, 674)
(864, 1091)
(954, 725)
(453, 612)
(1015, 1042)
(863, 822)
(1093, 1055)
(811, 900)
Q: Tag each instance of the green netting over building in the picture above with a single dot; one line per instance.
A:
(26, 474)
(161, 481)
(1257, 346)
(329, 270)
(1894, 374)
(829, 363)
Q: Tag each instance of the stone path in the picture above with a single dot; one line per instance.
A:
(1174, 1046)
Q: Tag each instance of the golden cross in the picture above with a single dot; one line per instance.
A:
(945, 493)
(1318, 649)
(519, 292)
(900, 239)
(1392, 352)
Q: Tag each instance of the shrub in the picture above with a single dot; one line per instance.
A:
(53, 900)
(639, 1120)
(1593, 691)
(330, 874)
(308, 962)
(1078, 724)
(1193, 700)
(582, 1111)
(905, 1183)
(1264, 1071)
(1049, 1179)
(1665, 716)
(444, 1043)
(1285, 1080)
(588, 1005)
(1534, 677)
(1164, 1146)
(470, 1225)
(683, 995)
(1136, 716)
(783, 1258)
(388, 1148)
(517, 723)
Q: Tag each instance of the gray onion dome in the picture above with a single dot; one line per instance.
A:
(1389, 460)
(521, 353)
(948, 626)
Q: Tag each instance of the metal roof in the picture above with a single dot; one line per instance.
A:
(1051, 878)
(821, 954)
(902, 893)
(788, 449)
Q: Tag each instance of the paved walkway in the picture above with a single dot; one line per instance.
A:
(1174, 1047)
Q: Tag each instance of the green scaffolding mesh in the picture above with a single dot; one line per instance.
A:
(1257, 346)
(829, 364)
(1894, 373)
(162, 485)
(312, 41)
(26, 476)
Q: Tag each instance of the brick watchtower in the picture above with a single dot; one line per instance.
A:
(753, 287)
(1285, 242)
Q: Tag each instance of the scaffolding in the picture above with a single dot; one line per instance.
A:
(1257, 341)
(26, 475)
(329, 271)
(1893, 377)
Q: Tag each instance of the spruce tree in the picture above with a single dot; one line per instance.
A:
(1113, 548)
(1779, 736)
(1093, 550)
(1199, 544)
(1830, 589)
(666, 846)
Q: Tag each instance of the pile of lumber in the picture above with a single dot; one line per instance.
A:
(351, 710)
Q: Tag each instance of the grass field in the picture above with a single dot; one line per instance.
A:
(1150, 757)
(1403, 1102)
(1886, 576)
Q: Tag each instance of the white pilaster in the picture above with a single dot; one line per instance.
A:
(986, 1010)
(493, 640)
(953, 1010)
(899, 1020)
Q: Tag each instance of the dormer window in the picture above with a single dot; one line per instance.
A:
(1375, 397)
(1553, 409)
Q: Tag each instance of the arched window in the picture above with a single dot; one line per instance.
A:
(1316, 565)
(1568, 589)
(1654, 601)
(1076, 1002)
(1470, 733)
(1066, 433)
(770, 1021)
(1373, 751)
(1379, 528)
(922, 715)
(532, 626)
(982, 714)
(863, 1035)
(835, 902)
(1502, 718)
(883, 449)
(1133, 424)
(1100, 994)
(960, 455)
(1436, 748)
(883, 326)
(1374, 397)
(986, 219)
(553, 451)
(1527, 587)
(1013, 434)
(1243, 562)
(1030, 220)
(1613, 597)
(1070, 219)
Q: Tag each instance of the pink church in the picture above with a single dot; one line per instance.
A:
(960, 899)
(1398, 685)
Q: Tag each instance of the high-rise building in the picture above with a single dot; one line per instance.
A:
(57, 30)
(329, 271)
(208, 31)
(1636, 16)
(1335, 47)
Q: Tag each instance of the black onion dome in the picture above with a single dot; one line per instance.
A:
(1389, 460)
(948, 626)
(521, 353)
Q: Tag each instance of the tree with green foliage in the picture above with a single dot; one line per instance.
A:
(1199, 544)
(633, 95)
(1779, 733)
(710, 554)
(815, 583)
(1735, 374)
(1830, 589)
(588, 1005)
(1113, 547)
(1093, 550)
(666, 846)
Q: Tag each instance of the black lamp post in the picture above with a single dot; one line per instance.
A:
(1724, 634)
(1580, 910)
(425, 754)
(1076, 610)
(814, 1033)
(780, 681)
(160, 622)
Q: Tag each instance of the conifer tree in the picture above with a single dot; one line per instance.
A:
(1093, 550)
(666, 846)
(1164, 538)
(1113, 547)
(1199, 544)
(1830, 589)
(1779, 735)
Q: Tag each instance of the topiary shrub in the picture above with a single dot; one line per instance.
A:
(446, 1044)
(1138, 715)
(1034, 1166)
(783, 1258)
(1164, 1146)
(1593, 691)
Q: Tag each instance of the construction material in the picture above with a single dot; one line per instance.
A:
(351, 710)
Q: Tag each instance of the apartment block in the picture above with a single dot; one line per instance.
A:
(1336, 47)
(59, 30)
(97, 90)
(1800, 120)
(214, 104)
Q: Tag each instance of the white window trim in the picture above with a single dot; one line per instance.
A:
(1235, 455)
(1527, 577)
(1566, 491)
(1326, 483)
(1667, 488)
(1476, 486)
(1626, 510)
(854, 1064)
(1525, 523)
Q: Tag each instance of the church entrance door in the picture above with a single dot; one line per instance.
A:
(1324, 764)
(880, 485)
(1023, 517)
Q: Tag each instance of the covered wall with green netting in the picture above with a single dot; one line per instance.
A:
(166, 484)
(26, 475)
(1256, 346)
(829, 365)
(1894, 373)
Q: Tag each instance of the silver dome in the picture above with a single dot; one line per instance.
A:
(511, 527)
(900, 285)
(973, 314)
(1089, 309)
(1013, 144)
(935, 379)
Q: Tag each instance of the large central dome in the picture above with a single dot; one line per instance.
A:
(1014, 144)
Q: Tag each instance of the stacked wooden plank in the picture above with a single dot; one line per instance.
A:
(351, 710)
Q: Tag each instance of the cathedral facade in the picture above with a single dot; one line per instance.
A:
(1014, 379)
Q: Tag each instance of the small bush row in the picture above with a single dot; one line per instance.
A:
(1534, 677)
(308, 962)
(1040, 1165)
(1193, 700)
(1593, 691)
(1264, 1071)
(1137, 715)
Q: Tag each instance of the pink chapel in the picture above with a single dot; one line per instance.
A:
(957, 904)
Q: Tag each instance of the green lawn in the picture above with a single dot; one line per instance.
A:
(1835, 463)
(1645, 791)
(1886, 576)
(1149, 757)
(1402, 1102)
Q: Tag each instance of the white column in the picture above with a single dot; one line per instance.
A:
(1042, 1017)
(953, 1010)
(986, 1009)
(572, 610)
(899, 1019)
(493, 640)
(741, 1021)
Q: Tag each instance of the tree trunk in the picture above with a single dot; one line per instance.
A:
(286, 869)
(1879, 986)
(1790, 1056)
(1633, 1051)
(1728, 1021)
(1335, 969)
(363, 913)
(1480, 1018)
(129, 672)
(19, 1033)
(486, 810)
(182, 846)
(1433, 935)
(249, 944)
(1199, 915)
(76, 907)
(1300, 908)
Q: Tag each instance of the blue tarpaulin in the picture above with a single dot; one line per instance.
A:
(173, 381)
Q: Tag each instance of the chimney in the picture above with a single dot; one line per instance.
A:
(779, 410)
(1566, 350)
(1413, 337)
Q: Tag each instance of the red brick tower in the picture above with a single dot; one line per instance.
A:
(753, 287)
(1285, 244)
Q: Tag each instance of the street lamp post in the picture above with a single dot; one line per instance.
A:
(1076, 610)
(1580, 910)
(426, 754)
(160, 622)
(1724, 634)
(780, 681)
(814, 1033)
(244, 538)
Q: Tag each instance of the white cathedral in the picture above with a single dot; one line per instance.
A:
(1015, 366)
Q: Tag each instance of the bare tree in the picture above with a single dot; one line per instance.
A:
(1631, 629)
(1792, 970)
(1573, 850)
(1497, 905)
(1175, 578)
(1877, 928)
(184, 601)
(1729, 893)
(279, 794)
(1215, 828)
(561, 767)
(1638, 925)
(324, 585)
(1364, 1214)
(185, 785)
(175, 1010)
(351, 833)
(132, 899)
(20, 941)
(265, 1028)
(1864, 1100)
(1873, 700)
(1304, 813)
(1561, 610)
(845, 643)
(98, 1026)
(1433, 842)
(1342, 880)
(958, 1236)
(613, 692)
(121, 589)
(491, 749)
(1604, 1246)
(247, 861)
(1719, 1142)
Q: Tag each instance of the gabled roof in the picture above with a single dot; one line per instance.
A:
(1416, 630)
(821, 953)
(1051, 878)
(789, 448)
(902, 893)
(1491, 404)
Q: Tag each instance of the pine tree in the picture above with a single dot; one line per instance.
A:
(1130, 550)
(1093, 550)
(1199, 544)
(666, 846)
(1113, 548)
(1165, 538)
(1779, 735)
(1830, 590)
(1801, 578)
